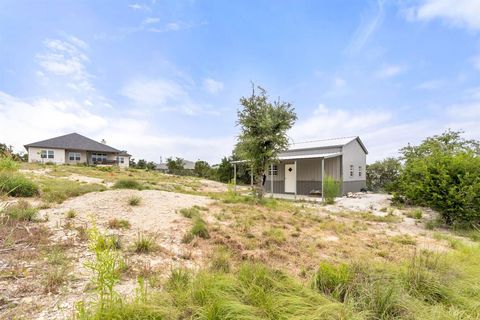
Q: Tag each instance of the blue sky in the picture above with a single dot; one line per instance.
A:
(163, 78)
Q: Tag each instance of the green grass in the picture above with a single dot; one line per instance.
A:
(404, 239)
(199, 228)
(275, 235)
(8, 164)
(17, 185)
(134, 200)
(144, 243)
(59, 190)
(21, 210)
(190, 212)
(415, 214)
(128, 184)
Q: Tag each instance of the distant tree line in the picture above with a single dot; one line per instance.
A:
(442, 172)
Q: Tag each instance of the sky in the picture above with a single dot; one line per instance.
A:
(164, 78)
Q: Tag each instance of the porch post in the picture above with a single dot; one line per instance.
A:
(295, 169)
(235, 177)
(251, 177)
(271, 180)
(323, 176)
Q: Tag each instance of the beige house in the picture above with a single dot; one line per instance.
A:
(74, 148)
(301, 168)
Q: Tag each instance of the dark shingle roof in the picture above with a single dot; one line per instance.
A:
(73, 141)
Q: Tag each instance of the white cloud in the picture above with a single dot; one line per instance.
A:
(22, 122)
(382, 131)
(65, 58)
(389, 71)
(139, 7)
(212, 86)
(431, 84)
(176, 26)
(458, 13)
(150, 20)
(369, 23)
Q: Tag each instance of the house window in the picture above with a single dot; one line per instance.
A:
(74, 156)
(359, 171)
(121, 160)
(351, 170)
(47, 154)
(273, 170)
(99, 157)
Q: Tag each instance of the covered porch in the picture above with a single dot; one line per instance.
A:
(300, 176)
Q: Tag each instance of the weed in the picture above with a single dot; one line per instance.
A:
(134, 200)
(275, 235)
(70, 214)
(54, 278)
(404, 239)
(8, 164)
(17, 185)
(333, 279)
(128, 184)
(199, 228)
(118, 224)
(189, 212)
(144, 243)
(21, 210)
(331, 189)
(220, 261)
(59, 190)
(415, 214)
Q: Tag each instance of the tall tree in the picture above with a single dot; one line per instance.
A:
(263, 135)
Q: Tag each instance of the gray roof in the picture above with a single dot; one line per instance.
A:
(73, 141)
(326, 143)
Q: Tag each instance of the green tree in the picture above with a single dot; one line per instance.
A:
(443, 172)
(202, 169)
(225, 170)
(151, 165)
(382, 175)
(175, 166)
(142, 164)
(263, 134)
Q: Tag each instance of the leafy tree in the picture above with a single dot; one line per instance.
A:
(443, 172)
(142, 164)
(263, 135)
(202, 169)
(225, 170)
(132, 163)
(175, 166)
(382, 175)
(151, 165)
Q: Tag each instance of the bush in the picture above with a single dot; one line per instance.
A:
(443, 173)
(331, 189)
(128, 184)
(383, 175)
(17, 185)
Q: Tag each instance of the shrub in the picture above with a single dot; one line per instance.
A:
(22, 210)
(383, 175)
(331, 189)
(134, 200)
(442, 173)
(17, 185)
(128, 184)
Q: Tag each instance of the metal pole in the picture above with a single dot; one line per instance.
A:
(295, 169)
(271, 179)
(251, 177)
(323, 176)
(235, 177)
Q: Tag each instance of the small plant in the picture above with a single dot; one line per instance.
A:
(415, 214)
(333, 279)
(8, 164)
(119, 224)
(17, 185)
(275, 235)
(71, 214)
(188, 237)
(21, 210)
(220, 260)
(404, 239)
(134, 200)
(128, 184)
(54, 278)
(331, 189)
(189, 212)
(199, 228)
(144, 244)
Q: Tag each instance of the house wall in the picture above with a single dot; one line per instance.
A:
(126, 162)
(83, 157)
(34, 155)
(353, 154)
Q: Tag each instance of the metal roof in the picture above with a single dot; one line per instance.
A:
(326, 143)
(310, 156)
(73, 141)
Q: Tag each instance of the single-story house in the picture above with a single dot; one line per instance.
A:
(187, 164)
(301, 168)
(74, 148)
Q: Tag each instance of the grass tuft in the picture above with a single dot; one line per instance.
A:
(21, 210)
(144, 243)
(17, 185)
(71, 214)
(134, 200)
(118, 224)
